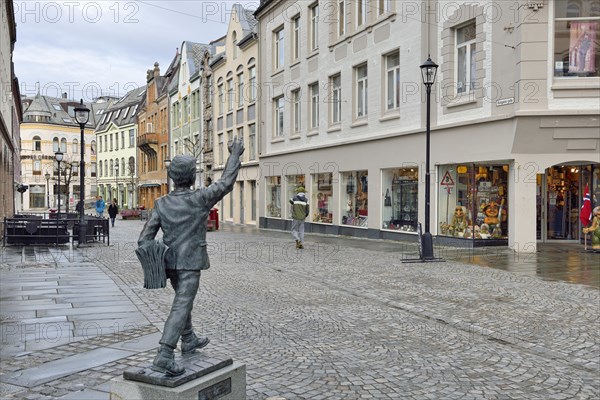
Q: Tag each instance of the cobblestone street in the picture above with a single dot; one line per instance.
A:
(341, 319)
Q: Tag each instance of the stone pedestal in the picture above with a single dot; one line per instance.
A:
(205, 378)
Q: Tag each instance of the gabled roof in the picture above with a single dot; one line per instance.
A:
(53, 110)
(122, 111)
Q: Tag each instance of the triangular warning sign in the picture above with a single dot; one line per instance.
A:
(447, 180)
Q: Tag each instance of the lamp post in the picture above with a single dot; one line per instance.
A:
(117, 181)
(167, 166)
(47, 176)
(59, 157)
(428, 72)
(82, 116)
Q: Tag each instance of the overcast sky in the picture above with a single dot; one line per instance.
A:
(84, 47)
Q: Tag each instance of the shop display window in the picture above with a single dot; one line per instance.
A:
(293, 182)
(322, 198)
(400, 199)
(273, 184)
(355, 197)
(472, 201)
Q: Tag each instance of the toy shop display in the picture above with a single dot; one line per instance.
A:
(472, 201)
(594, 229)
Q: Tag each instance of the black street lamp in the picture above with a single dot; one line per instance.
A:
(59, 157)
(47, 176)
(428, 71)
(116, 181)
(82, 116)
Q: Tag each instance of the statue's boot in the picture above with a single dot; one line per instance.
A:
(165, 362)
(191, 342)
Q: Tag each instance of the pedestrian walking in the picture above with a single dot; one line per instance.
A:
(113, 211)
(182, 216)
(300, 211)
(100, 206)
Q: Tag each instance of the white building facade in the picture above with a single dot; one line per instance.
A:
(234, 108)
(116, 135)
(514, 127)
(49, 126)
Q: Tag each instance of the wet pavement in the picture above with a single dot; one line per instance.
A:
(342, 319)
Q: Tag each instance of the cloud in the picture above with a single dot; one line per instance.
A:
(78, 46)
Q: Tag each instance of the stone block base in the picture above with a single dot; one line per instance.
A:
(227, 383)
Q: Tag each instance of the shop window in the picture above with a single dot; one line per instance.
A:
(355, 197)
(400, 199)
(37, 196)
(576, 38)
(274, 196)
(322, 198)
(293, 182)
(472, 201)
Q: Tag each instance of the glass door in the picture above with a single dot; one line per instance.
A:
(563, 201)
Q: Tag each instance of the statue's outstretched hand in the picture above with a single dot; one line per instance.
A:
(236, 146)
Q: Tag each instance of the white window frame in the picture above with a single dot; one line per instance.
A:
(470, 61)
(314, 27)
(240, 102)
(230, 94)
(252, 83)
(296, 37)
(383, 7)
(221, 100)
(296, 115)
(361, 12)
(341, 18)
(279, 48)
(313, 90)
(336, 99)
(252, 142)
(392, 89)
(279, 116)
(362, 91)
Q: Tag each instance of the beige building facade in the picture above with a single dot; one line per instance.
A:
(10, 115)
(234, 105)
(514, 117)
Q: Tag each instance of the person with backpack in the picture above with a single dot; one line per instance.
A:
(300, 211)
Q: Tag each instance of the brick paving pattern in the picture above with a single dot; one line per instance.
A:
(338, 321)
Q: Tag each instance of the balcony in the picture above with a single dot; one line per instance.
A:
(148, 143)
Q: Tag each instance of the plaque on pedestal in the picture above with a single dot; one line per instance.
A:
(205, 378)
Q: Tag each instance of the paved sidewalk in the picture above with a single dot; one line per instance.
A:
(342, 319)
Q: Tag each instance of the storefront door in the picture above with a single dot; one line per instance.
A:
(558, 202)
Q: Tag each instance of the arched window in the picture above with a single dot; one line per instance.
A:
(55, 146)
(75, 146)
(117, 168)
(111, 167)
(93, 147)
(131, 166)
(63, 145)
(123, 170)
(100, 168)
(37, 143)
(235, 46)
(106, 168)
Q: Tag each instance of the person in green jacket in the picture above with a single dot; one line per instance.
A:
(300, 211)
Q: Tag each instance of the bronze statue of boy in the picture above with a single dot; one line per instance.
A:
(182, 216)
